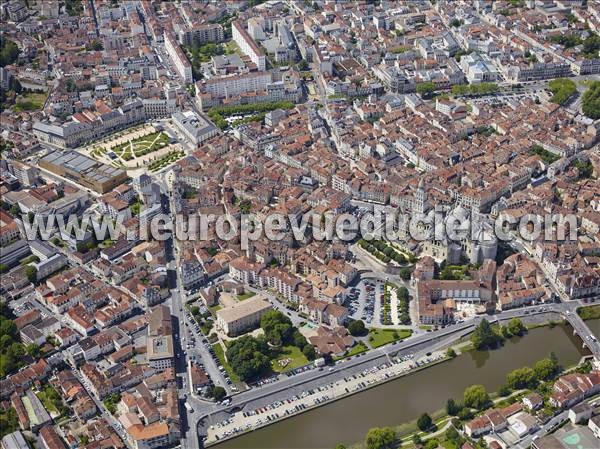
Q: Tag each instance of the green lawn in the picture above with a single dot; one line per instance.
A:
(232, 48)
(142, 145)
(47, 402)
(358, 348)
(220, 353)
(213, 309)
(589, 312)
(288, 352)
(425, 327)
(380, 337)
(30, 101)
(165, 160)
(52, 400)
(245, 295)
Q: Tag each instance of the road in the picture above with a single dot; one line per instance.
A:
(110, 419)
(175, 304)
(289, 386)
(182, 332)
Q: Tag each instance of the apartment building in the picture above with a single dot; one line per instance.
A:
(195, 127)
(438, 299)
(479, 68)
(245, 271)
(180, 61)
(248, 45)
(192, 273)
(243, 316)
(232, 85)
(201, 34)
(159, 346)
(538, 71)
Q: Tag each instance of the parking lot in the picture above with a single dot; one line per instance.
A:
(540, 94)
(198, 343)
(297, 402)
(361, 301)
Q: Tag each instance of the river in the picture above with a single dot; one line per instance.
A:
(404, 399)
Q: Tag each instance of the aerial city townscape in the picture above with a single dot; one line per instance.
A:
(294, 224)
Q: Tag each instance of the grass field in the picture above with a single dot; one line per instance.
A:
(142, 146)
(295, 356)
(358, 348)
(245, 295)
(166, 160)
(589, 312)
(30, 101)
(213, 309)
(232, 48)
(380, 337)
(220, 353)
(47, 403)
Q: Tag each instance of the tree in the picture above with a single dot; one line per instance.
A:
(452, 407)
(451, 353)
(32, 350)
(426, 89)
(245, 206)
(504, 390)
(455, 23)
(465, 414)
(3, 268)
(15, 210)
(309, 351)
(547, 369)
(405, 274)
(74, 7)
(591, 46)
(453, 435)
(505, 332)
(521, 378)
(8, 421)
(586, 169)
(31, 273)
(279, 334)
(484, 336)
(356, 328)
(277, 327)
(516, 327)
(590, 104)
(477, 397)
(94, 45)
(562, 89)
(9, 52)
(70, 85)
(302, 65)
(424, 422)
(218, 393)
(247, 357)
(380, 438)
(432, 443)
(298, 339)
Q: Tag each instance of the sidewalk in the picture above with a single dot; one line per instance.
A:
(238, 423)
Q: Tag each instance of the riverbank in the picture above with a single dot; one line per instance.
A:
(402, 399)
(369, 378)
(589, 312)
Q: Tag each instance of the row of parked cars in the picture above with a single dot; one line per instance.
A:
(192, 343)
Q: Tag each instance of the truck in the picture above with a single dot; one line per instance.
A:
(319, 362)
(188, 407)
